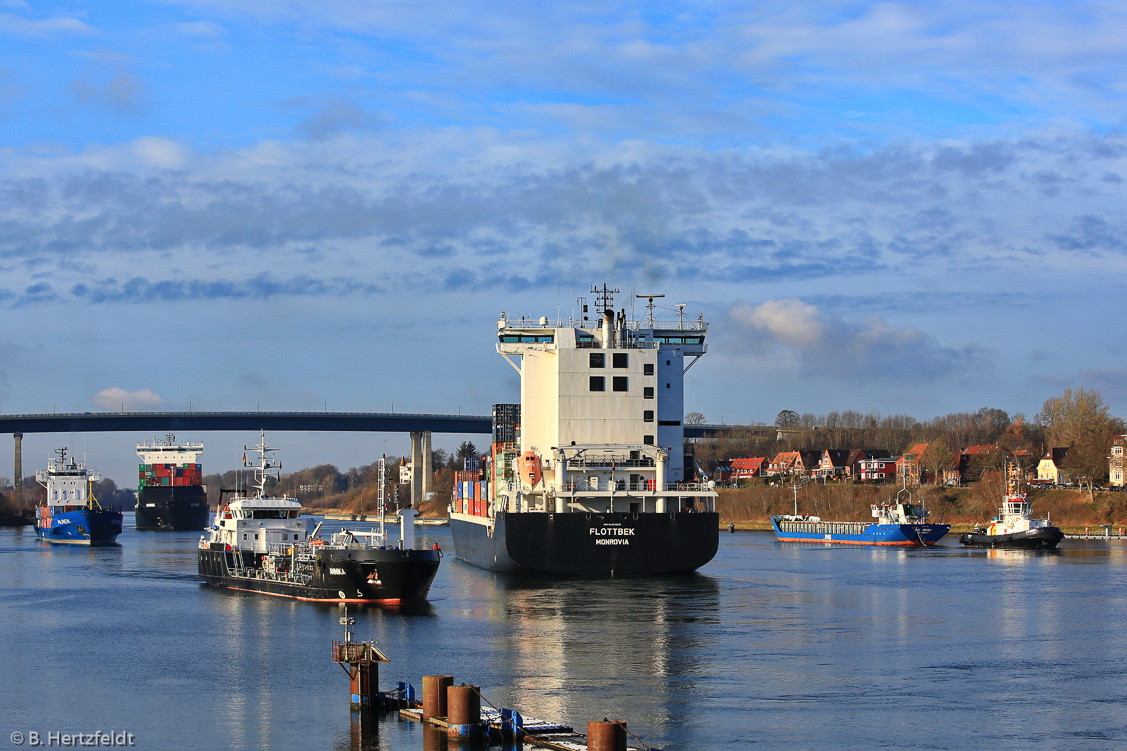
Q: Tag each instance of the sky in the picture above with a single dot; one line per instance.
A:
(899, 207)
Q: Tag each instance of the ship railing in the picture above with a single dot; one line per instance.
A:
(287, 548)
(642, 324)
(609, 461)
(646, 486)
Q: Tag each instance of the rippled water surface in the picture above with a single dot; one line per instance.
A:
(776, 646)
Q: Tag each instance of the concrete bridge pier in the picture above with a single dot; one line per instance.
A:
(420, 467)
(18, 479)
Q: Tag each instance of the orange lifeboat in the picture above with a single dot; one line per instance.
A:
(529, 467)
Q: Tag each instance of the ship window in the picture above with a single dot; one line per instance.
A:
(648, 369)
(648, 440)
(667, 385)
(667, 362)
(598, 383)
(598, 360)
(256, 535)
(621, 360)
(285, 536)
(648, 392)
(648, 415)
(244, 535)
(621, 383)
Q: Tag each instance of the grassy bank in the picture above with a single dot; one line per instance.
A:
(1071, 510)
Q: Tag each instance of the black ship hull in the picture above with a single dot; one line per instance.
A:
(1042, 538)
(172, 508)
(588, 544)
(388, 576)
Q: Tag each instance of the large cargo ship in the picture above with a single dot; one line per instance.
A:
(71, 513)
(262, 544)
(589, 475)
(170, 490)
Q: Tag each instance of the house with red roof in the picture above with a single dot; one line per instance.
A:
(908, 465)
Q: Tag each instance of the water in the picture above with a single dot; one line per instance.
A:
(772, 646)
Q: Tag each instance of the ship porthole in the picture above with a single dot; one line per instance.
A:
(341, 594)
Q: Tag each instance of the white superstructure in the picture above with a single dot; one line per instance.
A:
(169, 452)
(67, 480)
(601, 411)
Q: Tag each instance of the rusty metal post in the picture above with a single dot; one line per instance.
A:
(434, 695)
(606, 736)
(463, 711)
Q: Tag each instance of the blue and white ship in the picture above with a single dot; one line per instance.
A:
(71, 513)
(899, 522)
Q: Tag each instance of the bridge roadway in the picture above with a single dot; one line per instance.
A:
(363, 422)
(420, 426)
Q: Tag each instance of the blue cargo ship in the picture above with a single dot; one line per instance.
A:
(898, 522)
(71, 514)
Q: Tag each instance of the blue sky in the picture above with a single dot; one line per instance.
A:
(897, 207)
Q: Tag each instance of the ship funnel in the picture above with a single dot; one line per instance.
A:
(608, 329)
(407, 528)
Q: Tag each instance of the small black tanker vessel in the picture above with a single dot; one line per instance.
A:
(262, 544)
(1014, 527)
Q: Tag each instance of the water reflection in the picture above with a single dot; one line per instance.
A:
(600, 634)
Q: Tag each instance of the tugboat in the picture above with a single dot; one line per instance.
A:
(1014, 526)
(899, 521)
(260, 544)
(170, 492)
(71, 513)
(590, 474)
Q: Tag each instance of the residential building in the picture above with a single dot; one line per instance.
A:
(746, 468)
(856, 456)
(1116, 472)
(879, 469)
(832, 464)
(785, 463)
(1051, 469)
(908, 466)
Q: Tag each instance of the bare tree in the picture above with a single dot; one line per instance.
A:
(787, 418)
(1080, 421)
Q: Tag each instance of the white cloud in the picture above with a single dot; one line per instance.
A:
(813, 344)
(160, 152)
(790, 321)
(14, 25)
(115, 398)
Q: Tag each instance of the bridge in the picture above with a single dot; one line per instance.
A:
(420, 427)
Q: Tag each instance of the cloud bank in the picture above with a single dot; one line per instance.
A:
(115, 398)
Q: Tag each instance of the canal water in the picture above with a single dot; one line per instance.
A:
(770, 646)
